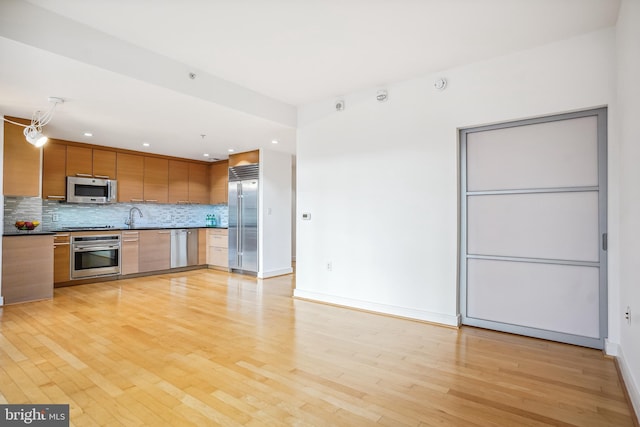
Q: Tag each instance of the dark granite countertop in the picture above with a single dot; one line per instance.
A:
(29, 233)
(67, 230)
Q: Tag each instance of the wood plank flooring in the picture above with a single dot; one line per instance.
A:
(210, 348)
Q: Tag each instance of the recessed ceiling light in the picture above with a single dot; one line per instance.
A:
(231, 150)
(274, 141)
(146, 144)
(206, 154)
(88, 134)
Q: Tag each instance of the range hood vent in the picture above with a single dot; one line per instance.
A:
(238, 173)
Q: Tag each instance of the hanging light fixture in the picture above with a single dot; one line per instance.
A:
(35, 136)
(33, 131)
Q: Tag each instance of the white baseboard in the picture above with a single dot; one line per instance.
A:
(410, 313)
(274, 273)
(611, 348)
(629, 382)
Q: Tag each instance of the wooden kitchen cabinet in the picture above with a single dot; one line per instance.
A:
(202, 246)
(199, 183)
(217, 248)
(130, 172)
(79, 161)
(188, 182)
(61, 258)
(90, 162)
(104, 164)
(156, 180)
(154, 250)
(54, 177)
(219, 183)
(246, 158)
(27, 268)
(130, 254)
(178, 181)
(21, 168)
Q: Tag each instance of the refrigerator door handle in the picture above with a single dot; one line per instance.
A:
(239, 227)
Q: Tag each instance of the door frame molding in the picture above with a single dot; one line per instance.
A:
(601, 115)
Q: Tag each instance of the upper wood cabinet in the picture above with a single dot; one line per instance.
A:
(246, 158)
(199, 183)
(156, 180)
(219, 183)
(21, 162)
(178, 181)
(130, 172)
(54, 160)
(91, 162)
(79, 161)
(104, 164)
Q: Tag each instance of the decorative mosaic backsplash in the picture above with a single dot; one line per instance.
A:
(55, 215)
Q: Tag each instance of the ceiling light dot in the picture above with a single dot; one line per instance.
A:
(231, 150)
(88, 134)
(440, 84)
(274, 141)
(206, 154)
(145, 144)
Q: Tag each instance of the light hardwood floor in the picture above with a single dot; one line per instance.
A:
(211, 348)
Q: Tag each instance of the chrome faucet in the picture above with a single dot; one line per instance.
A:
(130, 222)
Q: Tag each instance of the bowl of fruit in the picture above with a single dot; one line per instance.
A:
(26, 225)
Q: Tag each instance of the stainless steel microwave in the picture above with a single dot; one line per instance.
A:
(91, 190)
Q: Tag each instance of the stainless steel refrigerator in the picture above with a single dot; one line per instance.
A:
(243, 218)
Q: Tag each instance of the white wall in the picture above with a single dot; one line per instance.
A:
(381, 179)
(628, 45)
(275, 214)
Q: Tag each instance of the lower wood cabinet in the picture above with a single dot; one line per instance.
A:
(27, 268)
(61, 258)
(154, 252)
(130, 252)
(217, 247)
(202, 246)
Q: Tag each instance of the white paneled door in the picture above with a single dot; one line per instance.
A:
(533, 238)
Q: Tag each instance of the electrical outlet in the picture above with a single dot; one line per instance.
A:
(55, 217)
(329, 266)
(627, 315)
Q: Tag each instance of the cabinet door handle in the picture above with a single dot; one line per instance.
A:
(130, 240)
(56, 197)
(88, 175)
(164, 232)
(137, 200)
(151, 200)
(101, 176)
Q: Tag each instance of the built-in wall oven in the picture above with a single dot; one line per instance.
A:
(95, 255)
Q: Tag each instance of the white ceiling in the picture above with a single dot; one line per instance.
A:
(123, 66)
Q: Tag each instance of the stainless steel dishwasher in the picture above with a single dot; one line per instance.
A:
(184, 247)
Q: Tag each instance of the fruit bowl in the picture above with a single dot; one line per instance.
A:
(26, 225)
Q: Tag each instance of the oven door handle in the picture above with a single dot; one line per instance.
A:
(95, 248)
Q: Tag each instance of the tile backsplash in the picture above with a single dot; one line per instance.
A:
(54, 215)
